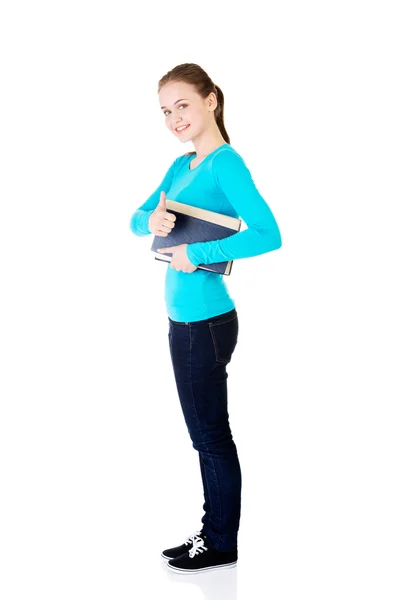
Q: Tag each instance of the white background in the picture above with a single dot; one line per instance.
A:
(98, 473)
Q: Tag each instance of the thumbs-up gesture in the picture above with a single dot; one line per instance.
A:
(161, 222)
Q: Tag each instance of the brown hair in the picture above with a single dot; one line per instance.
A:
(195, 75)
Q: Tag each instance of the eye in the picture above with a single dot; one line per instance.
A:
(178, 107)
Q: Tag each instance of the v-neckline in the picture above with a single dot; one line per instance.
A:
(201, 162)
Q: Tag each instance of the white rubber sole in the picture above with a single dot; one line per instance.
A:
(213, 568)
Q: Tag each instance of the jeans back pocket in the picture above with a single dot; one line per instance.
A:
(224, 336)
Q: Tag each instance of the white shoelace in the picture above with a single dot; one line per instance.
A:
(193, 537)
(198, 546)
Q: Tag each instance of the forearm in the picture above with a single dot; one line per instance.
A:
(140, 222)
(244, 244)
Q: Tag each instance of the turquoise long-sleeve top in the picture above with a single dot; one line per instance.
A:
(222, 183)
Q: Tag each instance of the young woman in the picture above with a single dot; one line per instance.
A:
(203, 322)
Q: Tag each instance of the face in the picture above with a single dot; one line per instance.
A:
(191, 110)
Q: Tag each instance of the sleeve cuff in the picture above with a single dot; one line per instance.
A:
(191, 255)
(147, 220)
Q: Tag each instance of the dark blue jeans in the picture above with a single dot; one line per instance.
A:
(200, 352)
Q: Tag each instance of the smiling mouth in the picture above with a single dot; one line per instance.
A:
(184, 129)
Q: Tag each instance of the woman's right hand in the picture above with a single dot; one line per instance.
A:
(161, 222)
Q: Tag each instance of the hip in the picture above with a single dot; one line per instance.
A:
(202, 343)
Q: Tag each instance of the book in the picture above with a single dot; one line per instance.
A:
(195, 224)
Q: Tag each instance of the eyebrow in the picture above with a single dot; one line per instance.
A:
(180, 100)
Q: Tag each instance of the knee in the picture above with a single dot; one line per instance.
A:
(215, 446)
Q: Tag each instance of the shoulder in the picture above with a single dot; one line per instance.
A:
(179, 162)
(227, 156)
(227, 160)
(176, 164)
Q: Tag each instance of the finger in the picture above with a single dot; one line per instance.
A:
(167, 226)
(162, 201)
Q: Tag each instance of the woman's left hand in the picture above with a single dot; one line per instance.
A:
(179, 259)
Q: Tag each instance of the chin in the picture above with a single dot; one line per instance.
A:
(182, 139)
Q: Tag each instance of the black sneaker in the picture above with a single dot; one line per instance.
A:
(187, 545)
(201, 557)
